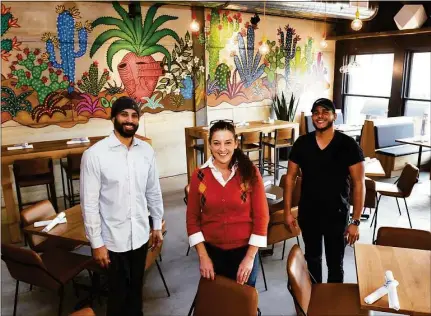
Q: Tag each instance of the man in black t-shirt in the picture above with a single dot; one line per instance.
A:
(328, 160)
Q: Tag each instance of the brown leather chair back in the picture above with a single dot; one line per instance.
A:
(74, 163)
(23, 169)
(37, 212)
(277, 231)
(250, 138)
(296, 194)
(84, 312)
(370, 193)
(299, 279)
(225, 297)
(409, 176)
(285, 134)
(404, 238)
(27, 266)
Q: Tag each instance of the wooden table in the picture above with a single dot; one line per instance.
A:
(411, 268)
(416, 141)
(202, 132)
(277, 191)
(51, 149)
(373, 168)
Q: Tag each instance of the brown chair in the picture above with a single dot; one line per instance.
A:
(283, 138)
(39, 212)
(226, 297)
(252, 142)
(51, 270)
(402, 188)
(186, 197)
(200, 149)
(329, 299)
(87, 311)
(34, 172)
(404, 238)
(72, 168)
(370, 196)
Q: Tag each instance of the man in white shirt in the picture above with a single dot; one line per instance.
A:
(120, 189)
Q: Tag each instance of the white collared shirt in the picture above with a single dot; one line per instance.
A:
(217, 173)
(120, 188)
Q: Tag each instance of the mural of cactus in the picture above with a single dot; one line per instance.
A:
(114, 89)
(88, 105)
(233, 88)
(65, 41)
(48, 107)
(32, 76)
(222, 75)
(138, 70)
(212, 86)
(288, 47)
(222, 28)
(90, 82)
(7, 44)
(273, 60)
(151, 103)
(187, 89)
(304, 58)
(248, 67)
(107, 103)
(12, 103)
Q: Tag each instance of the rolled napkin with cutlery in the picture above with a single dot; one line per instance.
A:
(54, 222)
(267, 183)
(383, 290)
(392, 288)
(47, 222)
(271, 196)
(20, 146)
(79, 140)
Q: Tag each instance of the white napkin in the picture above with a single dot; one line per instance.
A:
(20, 146)
(78, 140)
(240, 124)
(54, 222)
(45, 223)
(271, 196)
(390, 288)
(266, 183)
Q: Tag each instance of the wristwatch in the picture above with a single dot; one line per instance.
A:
(356, 222)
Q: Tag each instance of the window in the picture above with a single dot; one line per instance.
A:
(367, 89)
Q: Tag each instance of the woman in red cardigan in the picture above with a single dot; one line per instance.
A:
(227, 210)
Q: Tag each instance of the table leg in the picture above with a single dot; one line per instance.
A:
(419, 157)
(207, 150)
(190, 155)
(12, 216)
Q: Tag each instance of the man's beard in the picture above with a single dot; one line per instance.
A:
(330, 124)
(119, 127)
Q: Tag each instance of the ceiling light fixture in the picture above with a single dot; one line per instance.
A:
(264, 48)
(357, 22)
(323, 42)
(194, 26)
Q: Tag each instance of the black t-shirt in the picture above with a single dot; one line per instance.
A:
(325, 173)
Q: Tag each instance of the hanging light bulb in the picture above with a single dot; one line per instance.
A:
(357, 22)
(264, 49)
(194, 26)
(323, 43)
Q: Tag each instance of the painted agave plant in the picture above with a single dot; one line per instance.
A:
(12, 103)
(48, 107)
(88, 105)
(233, 88)
(138, 70)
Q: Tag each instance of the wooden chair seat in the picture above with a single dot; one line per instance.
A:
(332, 299)
(388, 189)
(270, 141)
(40, 179)
(277, 231)
(250, 147)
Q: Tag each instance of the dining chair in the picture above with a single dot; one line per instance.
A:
(252, 142)
(401, 189)
(52, 270)
(223, 296)
(72, 169)
(404, 238)
(313, 299)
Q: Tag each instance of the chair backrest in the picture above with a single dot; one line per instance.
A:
(404, 238)
(225, 297)
(285, 134)
(299, 281)
(251, 138)
(37, 212)
(277, 231)
(408, 178)
(74, 163)
(296, 194)
(27, 266)
(152, 255)
(385, 135)
(23, 169)
(370, 193)
(186, 193)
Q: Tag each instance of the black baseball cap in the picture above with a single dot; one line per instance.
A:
(326, 103)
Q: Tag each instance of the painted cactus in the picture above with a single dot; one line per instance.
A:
(222, 75)
(66, 41)
(273, 60)
(7, 44)
(248, 67)
(288, 46)
(32, 77)
(222, 27)
(187, 89)
(90, 82)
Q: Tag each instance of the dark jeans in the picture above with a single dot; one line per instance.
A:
(125, 277)
(226, 262)
(331, 228)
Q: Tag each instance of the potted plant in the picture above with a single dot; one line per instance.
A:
(138, 70)
(285, 112)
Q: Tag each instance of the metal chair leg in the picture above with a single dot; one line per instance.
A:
(72, 196)
(398, 204)
(163, 279)
(60, 305)
(408, 214)
(16, 298)
(297, 239)
(284, 246)
(263, 271)
(375, 221)
(193, 306)
(188, 250)
(63, 185)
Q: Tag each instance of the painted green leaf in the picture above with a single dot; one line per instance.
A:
(157, 36)
(127, 20)
(105, 103)
(105, 36)
(114, 48)
(157, 49)
(107, 20)
(150, 16)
